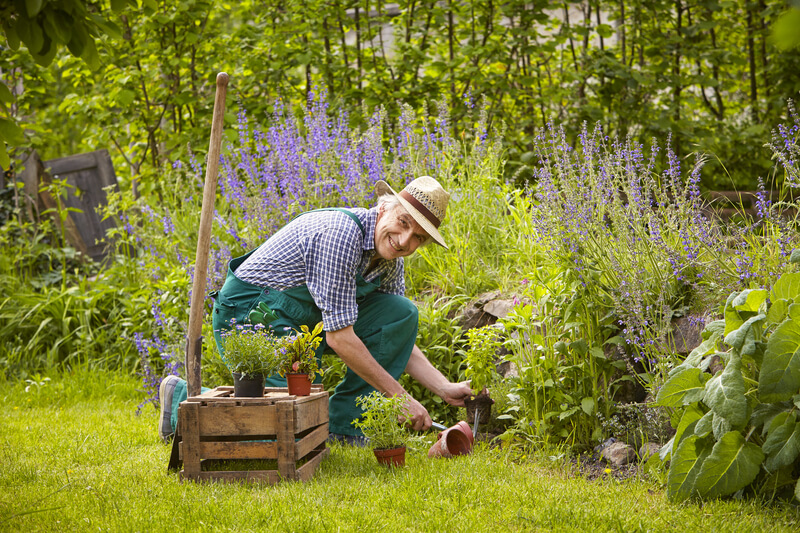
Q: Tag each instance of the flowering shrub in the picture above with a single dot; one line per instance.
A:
(251, 349)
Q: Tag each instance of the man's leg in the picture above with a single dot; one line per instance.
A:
(172, 391)
(387, 324)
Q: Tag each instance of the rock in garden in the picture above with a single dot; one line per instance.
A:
(619, 454)
(648, 449)
(499, 308)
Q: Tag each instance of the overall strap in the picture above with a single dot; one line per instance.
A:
(342, 210)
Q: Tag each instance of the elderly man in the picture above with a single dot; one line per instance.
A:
(345, 268)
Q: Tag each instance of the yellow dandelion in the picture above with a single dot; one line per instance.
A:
(607, 470)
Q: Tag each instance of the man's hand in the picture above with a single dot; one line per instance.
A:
(456, 393)
(418, 418)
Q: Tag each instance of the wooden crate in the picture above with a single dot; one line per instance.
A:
(288, 429)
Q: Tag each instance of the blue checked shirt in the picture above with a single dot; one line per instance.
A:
(324, 251)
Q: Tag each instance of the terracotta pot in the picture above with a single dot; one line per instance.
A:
(252, 386)
(391, 456)
(299, 384)
(454, 441)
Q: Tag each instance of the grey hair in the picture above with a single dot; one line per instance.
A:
(389, 199)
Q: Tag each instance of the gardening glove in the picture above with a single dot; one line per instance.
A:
(455, 393)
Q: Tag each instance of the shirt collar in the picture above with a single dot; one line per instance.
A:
(369, 226)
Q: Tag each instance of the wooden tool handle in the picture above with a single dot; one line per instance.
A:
(194, 339)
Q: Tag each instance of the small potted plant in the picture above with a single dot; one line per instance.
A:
(381, 424)
(299, 359)
(251, 353)
(480, 354)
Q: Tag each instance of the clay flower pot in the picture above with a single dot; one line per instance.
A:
(299, 384)
(454, 441)
(391, 456)
(251, 386)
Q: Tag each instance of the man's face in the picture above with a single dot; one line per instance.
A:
(397, 234)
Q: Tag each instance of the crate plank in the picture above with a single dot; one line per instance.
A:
(310, 414)
(306, 472)
(239, 450)
(287, 456)
(312, 440)
(190, 445)
(231, 476)
(244, 420)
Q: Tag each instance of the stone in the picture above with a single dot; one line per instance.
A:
(686, 335)
(618, 454)
(474, 317)
(647, 450)
(499, 308)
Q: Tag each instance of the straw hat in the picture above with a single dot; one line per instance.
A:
(425, 200)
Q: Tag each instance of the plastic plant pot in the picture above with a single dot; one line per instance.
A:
(251, 386)
(299, 384)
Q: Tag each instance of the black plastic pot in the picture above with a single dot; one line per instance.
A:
(252, 386)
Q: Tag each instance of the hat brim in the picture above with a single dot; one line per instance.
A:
(381, 188)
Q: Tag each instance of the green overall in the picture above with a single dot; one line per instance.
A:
(387, 325)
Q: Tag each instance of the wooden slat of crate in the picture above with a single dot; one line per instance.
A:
(244, 420)
(239, 450)
(311, 441)
(306, 472)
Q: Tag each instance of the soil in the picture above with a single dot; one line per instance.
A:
(592, 467)
(482, 402)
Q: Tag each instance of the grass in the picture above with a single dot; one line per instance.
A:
(74, 456)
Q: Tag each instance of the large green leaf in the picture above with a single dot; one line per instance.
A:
(11, 133)
(732, 465)
(732, 318)
(743, 338)
(683, 388)
(786, 288)
(703, 426)
(749, 300)
(763, 413)
(696, 355)
(783, 443)
(724, 393)
(686, 426)
(779, 379)
(687, 463)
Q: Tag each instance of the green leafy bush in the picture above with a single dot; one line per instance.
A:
(739, 430)
(480, 355)
(380, 422)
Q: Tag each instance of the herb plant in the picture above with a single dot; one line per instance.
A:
(739, 430)
(251, 349)
(480, 356)
(381, 421)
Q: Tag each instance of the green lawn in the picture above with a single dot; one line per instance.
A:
(75, 457)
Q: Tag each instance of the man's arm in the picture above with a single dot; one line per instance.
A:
(357, 357)
(429, 376)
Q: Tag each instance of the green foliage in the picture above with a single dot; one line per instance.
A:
(480, 357)
(252, 350)
(382, 419)
(299, 351)
(738, 430)
(567, 381)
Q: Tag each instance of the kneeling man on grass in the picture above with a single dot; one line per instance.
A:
(343, 267)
